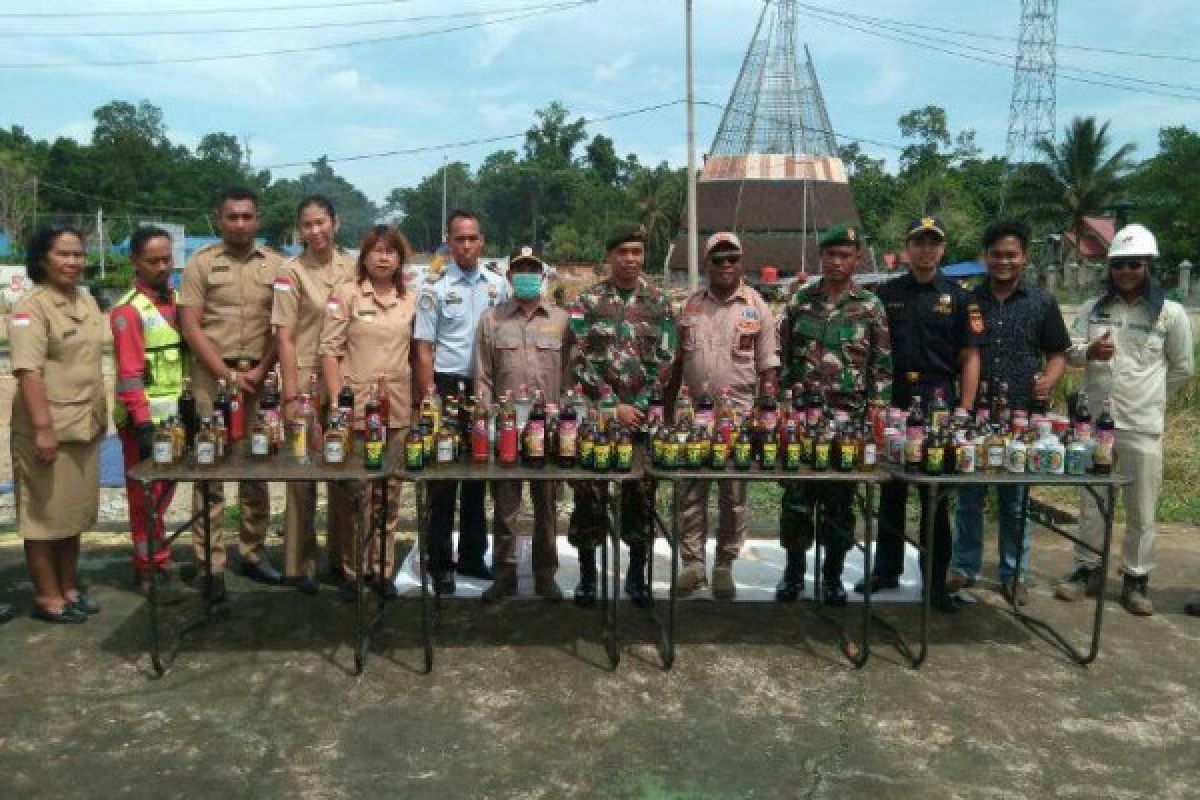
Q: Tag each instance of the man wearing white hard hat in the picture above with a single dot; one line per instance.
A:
(1136, 350)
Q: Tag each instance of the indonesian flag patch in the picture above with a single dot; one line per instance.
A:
(283, 284)
(20, 320)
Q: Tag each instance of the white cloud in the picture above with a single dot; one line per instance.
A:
(611, 70)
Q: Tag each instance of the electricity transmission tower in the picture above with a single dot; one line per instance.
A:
(1031, 110)
(776, 106)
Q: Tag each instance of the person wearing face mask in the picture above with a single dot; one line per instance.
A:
(727, 338)
(302, 292)
(149, 355)
(521, 342)
(1136, 350)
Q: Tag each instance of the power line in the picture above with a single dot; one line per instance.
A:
(194, 11)
(471, 142)
(278, 28)
(970, 56)
(1001, 37)
(900, 28)
(302, 49)
(112, 200)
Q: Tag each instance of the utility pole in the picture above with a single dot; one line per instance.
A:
(100, 237)
(445, 163)
(693, 243)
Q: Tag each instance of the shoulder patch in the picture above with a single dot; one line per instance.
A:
(427, 301)
(20, 320)
(283, 283)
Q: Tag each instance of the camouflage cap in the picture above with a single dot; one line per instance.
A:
(627, 233)
(841, 233)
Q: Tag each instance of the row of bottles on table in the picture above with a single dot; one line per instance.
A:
(800, 431)
(996, 439)
(522, 429)
(209, 440)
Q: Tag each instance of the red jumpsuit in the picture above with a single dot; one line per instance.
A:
(129, 350)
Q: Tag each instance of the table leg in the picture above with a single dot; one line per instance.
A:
(610, 629)
(422, 491)
(933, 497)
(160, 668)
(362, 542)
(1107, 504)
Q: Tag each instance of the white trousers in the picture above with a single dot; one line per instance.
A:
(1140, 458)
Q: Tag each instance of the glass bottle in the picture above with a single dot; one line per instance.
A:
(206, 445)
(414, 450)
(260, 438)
(187, 413)
(373, 446)
(1104, 441)
(164, 446)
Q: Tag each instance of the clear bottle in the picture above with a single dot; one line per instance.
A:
(260, 438)
(206, 445)
(523, 404)
(164, 446)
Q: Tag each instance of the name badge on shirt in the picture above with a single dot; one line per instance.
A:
(366, 315)
(945, 305)
(453, 298)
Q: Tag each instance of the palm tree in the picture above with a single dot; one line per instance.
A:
(1080, 177)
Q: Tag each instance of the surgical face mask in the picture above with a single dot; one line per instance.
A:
(527, 285)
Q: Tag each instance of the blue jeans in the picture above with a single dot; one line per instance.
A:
(968, 533)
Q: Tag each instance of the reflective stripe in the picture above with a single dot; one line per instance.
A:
(128, 384)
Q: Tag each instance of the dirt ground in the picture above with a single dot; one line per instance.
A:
(521, 705)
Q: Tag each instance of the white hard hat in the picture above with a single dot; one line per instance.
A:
(1133, 241)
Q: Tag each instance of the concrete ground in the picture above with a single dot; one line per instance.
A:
(759, 703)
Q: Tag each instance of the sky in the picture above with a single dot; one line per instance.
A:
(403, 83)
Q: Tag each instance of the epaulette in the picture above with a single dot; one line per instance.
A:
(208, 248)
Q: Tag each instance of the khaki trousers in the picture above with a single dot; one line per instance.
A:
(252, 495)
(300, 528)
(693, 519)
(506, 496)
(1139, 457)
(353, 558)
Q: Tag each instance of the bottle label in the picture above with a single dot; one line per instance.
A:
(260, 444)
(792, 456)
(966, 458)
(695, 454)
(1102, 453)
(414, 455)
(1055, 462)
(625, 456)
(912, 449)
(1076, 460)
(1016, 459)
(335, 453)
(535, 439)
(935, 459)
(1083, 431)
(770, 455)
(720, 455)
(846, 460)
(373, 454)
(508, 445)
(707, 419)
(821, 455)
(445, 450)
(164, 452)
(995, 456)
(602, 456)
(568, 439)
(742, 453)
(299, 441)
(670, 453)
(206, 453)
(870, 455)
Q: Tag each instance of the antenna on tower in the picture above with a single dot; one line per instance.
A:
(1032, 108)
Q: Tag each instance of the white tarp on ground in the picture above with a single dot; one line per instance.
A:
(755, 573)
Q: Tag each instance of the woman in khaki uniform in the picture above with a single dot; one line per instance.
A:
(368, 333)
(59, 415)
(302, 293)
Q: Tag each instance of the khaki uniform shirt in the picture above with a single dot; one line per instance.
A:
(302, 291)
(372, 335)
(512, 349)
(727, 342)
(234, 298)
(1152, 360)
(61, 339)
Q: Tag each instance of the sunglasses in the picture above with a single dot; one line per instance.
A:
(731, 259)
(1123, 264)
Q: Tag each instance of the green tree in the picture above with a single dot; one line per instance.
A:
(1082, 175)
(1165, 192)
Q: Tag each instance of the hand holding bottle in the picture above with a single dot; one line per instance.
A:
(1103, 348)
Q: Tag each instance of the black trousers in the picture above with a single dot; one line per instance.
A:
(889, 549)
(443, 496)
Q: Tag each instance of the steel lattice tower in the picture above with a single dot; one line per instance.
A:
(776, 107)
(1031, 111)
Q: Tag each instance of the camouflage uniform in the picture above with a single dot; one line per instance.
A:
(628, 345)
(845, 348)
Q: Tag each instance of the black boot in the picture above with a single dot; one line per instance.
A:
(792, 582)
(635, 578)
(832, 591)
(585, 592)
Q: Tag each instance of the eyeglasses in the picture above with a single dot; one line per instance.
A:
(1126, 264)
(720, 260)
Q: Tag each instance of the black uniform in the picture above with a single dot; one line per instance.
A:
(930, 323)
